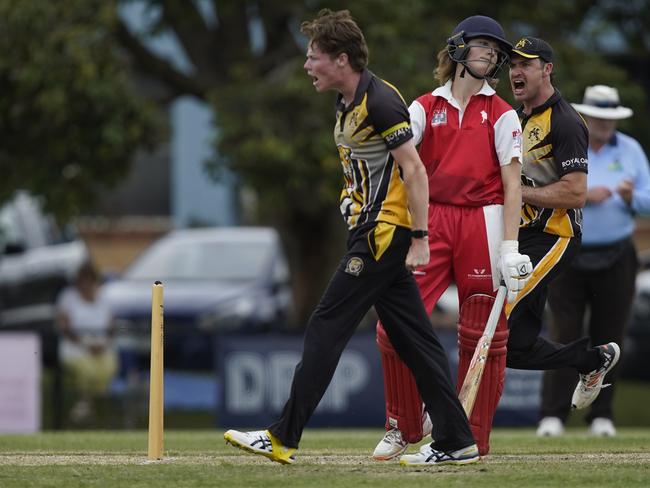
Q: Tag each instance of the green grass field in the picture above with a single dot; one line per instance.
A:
(338, 458)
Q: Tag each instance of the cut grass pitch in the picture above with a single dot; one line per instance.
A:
(336, 457)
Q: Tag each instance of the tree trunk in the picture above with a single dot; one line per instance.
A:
(314, 246)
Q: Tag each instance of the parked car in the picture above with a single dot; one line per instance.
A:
(37, 259)
(215, 279)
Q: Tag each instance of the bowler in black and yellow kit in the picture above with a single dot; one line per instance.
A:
(384, 203)
(372, 272)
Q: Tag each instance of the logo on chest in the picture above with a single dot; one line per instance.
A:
(535, 134)
(353, 120)
(615, 166)
(439, 117)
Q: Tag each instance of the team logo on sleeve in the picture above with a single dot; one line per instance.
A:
(439, 117)
(354, 266)
(516, 139)
(574, 164)
(403, 132)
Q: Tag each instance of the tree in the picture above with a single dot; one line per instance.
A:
(276, 133)
(273, 130)
(69, 116)
(618, 31)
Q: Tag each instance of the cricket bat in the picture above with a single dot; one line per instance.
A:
(469, 390)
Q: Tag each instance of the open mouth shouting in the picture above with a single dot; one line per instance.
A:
(314, 79)
(518, 87)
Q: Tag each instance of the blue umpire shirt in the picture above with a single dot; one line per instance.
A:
(613, 219)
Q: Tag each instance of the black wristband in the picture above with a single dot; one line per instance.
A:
(419, 234)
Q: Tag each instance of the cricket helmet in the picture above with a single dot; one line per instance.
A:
(473, 27)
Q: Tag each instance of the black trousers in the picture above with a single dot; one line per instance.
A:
(366, 277)
(607, 293)
(550, 255)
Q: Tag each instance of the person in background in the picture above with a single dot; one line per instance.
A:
(86, 348)
(602, 275)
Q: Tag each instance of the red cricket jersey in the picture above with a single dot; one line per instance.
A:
(463, 151)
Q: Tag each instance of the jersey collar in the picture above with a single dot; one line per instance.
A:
(444, 91)
(362, 88)
(552, 100)
(614, 140)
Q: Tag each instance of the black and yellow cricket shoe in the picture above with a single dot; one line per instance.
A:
(261, 442)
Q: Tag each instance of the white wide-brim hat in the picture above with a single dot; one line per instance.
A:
(602, 102)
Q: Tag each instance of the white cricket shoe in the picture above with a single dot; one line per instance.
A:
(261, 442)
(550, 427)
(390, 446)
(428, 456)
(393, 444)
(591, 383)
(602, 427)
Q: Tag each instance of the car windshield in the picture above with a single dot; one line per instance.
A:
(23, 223)
(10, 230)
(202, 261)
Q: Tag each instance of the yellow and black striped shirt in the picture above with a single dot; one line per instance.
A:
(554, 143)
(366, 130)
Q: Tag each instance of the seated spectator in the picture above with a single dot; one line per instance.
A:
(86, 350)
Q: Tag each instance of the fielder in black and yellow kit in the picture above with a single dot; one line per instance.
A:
(378, 203)
(552, 134)
(554, 167)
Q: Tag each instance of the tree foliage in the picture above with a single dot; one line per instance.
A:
(276, 133)
(69, 118)
(67, 102)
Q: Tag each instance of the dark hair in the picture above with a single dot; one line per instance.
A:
(552, 75)
(87, 272)
(335, 33)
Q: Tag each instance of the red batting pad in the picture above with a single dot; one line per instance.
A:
(403, 401)
(474, 313)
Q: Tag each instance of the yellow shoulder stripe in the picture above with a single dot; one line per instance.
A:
(392, 129)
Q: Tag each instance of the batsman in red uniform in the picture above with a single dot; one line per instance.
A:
(470, 143)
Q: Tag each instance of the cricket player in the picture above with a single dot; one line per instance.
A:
(384, 202)
(555, 140)
(470, 143)
(618, 190)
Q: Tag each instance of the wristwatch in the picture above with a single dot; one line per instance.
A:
(420, 234)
